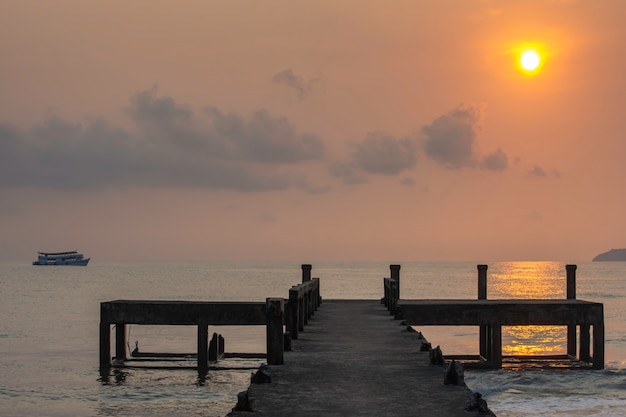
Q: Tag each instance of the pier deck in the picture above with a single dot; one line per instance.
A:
(353, 359)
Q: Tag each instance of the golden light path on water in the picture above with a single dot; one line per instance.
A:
(530, 280)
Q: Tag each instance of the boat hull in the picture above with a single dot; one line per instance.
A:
(71, 258)
(82, 262)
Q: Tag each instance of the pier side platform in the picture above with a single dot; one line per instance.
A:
(493, 314)
(353, 359)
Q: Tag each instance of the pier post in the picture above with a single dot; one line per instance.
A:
(482, 281)
(274, 331)
(105, 346)
(394, 291)
(318, 295)
(203, 347)
(585, 346)
(293, 315)
(395, 275)
(213, 347)
(571, 295)
(395, 272)
(306, 272)
(305, 307)
(598, 344)
(120, 341)
(385, 299)
(496, 346)
(482, 295)
(301, 312)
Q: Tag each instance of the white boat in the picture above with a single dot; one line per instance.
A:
(61, 258)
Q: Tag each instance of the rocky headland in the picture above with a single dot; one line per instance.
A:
(614, 255)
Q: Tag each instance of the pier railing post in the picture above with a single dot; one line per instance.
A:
(306, 272)
(395, 275)
(301, 312)
(274, 331)
(482, 281)
(317, 297)
(293, 314)
(482, 295)
(571, 295)
(394, 291)
(385, 299)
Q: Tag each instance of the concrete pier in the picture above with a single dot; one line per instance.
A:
(353, 359)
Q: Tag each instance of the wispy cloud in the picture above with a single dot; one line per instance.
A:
(301, 86)
(539, 172)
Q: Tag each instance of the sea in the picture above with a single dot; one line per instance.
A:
(49, 333)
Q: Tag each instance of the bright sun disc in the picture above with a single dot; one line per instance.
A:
(530, 60)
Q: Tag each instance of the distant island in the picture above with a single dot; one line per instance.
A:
(614, 255)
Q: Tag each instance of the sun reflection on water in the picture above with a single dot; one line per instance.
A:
(529, 280)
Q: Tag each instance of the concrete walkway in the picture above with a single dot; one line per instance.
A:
(353, 359)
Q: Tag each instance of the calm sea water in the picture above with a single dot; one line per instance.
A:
(49, 318)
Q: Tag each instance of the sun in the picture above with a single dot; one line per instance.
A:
(530, 60)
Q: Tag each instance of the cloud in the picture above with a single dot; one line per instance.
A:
(380, 153)
(451, 138)
(496, 161)
(171, 146)
(261, 138)
(377, 154)
(538, 172)
(347, 172)
(296, 83)
(409, 182)
(145, 106)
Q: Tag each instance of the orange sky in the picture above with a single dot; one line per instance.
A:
(312, 130)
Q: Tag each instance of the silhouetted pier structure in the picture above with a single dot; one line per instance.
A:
(491, 315)
(354, 358)
(294, 313)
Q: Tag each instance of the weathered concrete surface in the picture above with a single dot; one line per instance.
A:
(353, 359)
